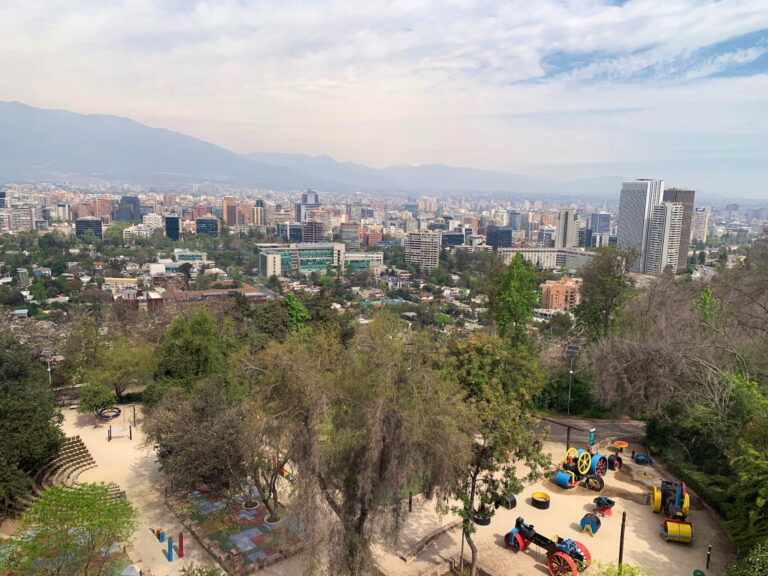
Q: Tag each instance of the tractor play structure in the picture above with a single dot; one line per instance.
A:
(581, 466)
(674, 502)
(564, 558)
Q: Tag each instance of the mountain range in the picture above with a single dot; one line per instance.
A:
(57, 145)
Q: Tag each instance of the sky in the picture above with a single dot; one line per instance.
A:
(675, 89)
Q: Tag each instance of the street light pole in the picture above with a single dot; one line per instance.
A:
(571, 352)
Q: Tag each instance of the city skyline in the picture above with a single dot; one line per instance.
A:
(568, 90)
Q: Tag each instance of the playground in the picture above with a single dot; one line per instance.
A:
(562, 516)
(230, 526)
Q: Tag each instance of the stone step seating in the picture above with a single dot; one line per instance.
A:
(63, 470)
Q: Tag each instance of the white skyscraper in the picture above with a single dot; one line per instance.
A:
(636, 203)
(700, 225)
(664, 237)
(567, 235)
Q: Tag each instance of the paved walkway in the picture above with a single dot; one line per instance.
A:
(133, 467)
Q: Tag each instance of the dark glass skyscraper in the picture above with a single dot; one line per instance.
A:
(173, 227)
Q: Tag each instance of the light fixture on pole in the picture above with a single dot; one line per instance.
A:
(571, 352)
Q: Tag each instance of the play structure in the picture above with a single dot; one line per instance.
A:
(581, 466)
(109, 413)
(565, 557)
(674, 502)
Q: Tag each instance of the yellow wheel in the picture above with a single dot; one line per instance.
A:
(686, 504)
(584, 462)
(656, 500)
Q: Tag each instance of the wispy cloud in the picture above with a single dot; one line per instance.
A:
(494, 82)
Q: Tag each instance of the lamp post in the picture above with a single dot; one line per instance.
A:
(571, 352)
(47, 355)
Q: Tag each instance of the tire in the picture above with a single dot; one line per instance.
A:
(561, 564)
(615, 462)
(595, 483)
(540, 500)
(587, 557)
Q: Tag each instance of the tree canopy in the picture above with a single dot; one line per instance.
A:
(29, 422)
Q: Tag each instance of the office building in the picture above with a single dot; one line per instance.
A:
(500, 236)
(309, 201)
(422, 249)
(278, 259)
(700, 225)
(207, 225)
(636, 204)
(364, 261)
(129, 209)
(664, 238)
(600, 223)
(314, 231)
(2, 198)
(567, 234)
(173, 227)
(229, 211)
(82, 225)
(684, 197)
(349, 233)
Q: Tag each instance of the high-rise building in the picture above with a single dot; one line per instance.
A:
(129, 209)
(349, 233)
(500, 236)
(229, 211)
(314, 232)
(173, 227)
(567, 234)
(82, 225)
(309, 201)
(600, 222)
(207, 225)
(664, 238)
(423, 249)
(636, 204)
(2, 198)
(700, 225)
(684, 197)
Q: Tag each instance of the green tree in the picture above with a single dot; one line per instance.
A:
(94, 397)
(200, 570)
(71, 531)
(365, 420)
(190, 351)
(29, 420)
(298, 315)
(605, 290)
(128, 361)
(500, 382)
(514, 298)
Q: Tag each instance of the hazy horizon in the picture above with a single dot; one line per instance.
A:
(669, 89)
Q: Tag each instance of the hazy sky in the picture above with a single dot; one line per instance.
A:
(584, 87)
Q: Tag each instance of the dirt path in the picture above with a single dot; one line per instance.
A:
(134, 469)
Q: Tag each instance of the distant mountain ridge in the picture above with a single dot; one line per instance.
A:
(55, 145)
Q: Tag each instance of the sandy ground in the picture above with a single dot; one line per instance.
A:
(643, 544)
(134, 469)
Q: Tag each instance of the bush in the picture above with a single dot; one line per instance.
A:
(753, 564)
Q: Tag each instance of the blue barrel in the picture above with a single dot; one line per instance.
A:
(564, 479)
(590, 523)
